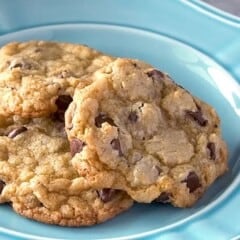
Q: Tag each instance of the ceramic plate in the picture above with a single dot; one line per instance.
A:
(199, 47)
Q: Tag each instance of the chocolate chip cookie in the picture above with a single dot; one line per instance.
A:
(33, 75)
(133, 128)
(37, 178)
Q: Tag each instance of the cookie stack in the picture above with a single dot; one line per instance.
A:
(84, 135)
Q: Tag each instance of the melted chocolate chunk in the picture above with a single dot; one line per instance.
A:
(102, 118)
(212, 150)
(164, 197)
(17, 131)
(133, 117)
(192, 181)
(197, 116)
(2, 185)
(117, 146)
(62, 103)
(155, 74)
(106, 194)
(76, 146)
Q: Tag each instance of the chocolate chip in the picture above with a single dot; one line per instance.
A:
(133, 117)
(2, 185)
(62, 103)
(164, 197)
(16, 131)
(117, 146)
(76, 146)
(212, 149)
(197, 116)
(155, 74)
(192, 181)
(101, 118)
(58, 116)
(106, 194)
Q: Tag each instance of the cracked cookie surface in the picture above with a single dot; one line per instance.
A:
(37, 178)
(134, 129)
(34, 74)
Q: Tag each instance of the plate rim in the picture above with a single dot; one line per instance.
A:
(228, 191)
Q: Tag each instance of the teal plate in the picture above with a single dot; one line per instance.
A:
(199, 47)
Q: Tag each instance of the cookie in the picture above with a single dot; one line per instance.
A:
(33, 75)
(136, 130)
(37, 178)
